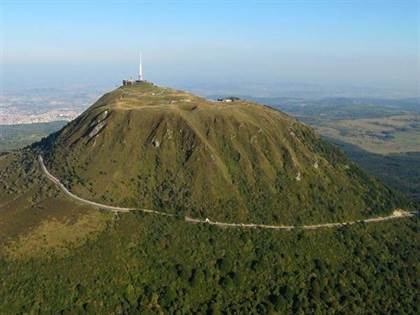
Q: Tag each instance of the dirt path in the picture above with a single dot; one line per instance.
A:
(397, 214)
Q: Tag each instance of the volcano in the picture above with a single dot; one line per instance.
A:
(151, 147)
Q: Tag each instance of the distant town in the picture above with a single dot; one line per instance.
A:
(44, 105)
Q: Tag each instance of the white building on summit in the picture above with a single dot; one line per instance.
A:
(140, 76)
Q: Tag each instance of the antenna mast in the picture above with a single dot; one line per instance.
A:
(140, 70)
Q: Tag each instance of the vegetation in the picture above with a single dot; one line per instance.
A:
(168, 150)
(399, 171)
(155, 148)
(381, 136)
(374, 125)
(394, 134)
(147, 264)
(14, 137)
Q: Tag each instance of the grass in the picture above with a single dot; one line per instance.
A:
(61, 257)
(232, 162)
(54, 235)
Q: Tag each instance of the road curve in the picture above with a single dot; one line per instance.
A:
(56, 181)
(397, 214)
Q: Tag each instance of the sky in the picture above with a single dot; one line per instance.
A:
(353, 45)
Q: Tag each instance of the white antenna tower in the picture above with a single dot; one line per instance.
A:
(140, 70)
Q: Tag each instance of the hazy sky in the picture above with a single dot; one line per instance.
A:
(332, 43)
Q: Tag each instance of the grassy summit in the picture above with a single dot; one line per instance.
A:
(158, 148)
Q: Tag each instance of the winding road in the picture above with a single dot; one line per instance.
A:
(397, 214)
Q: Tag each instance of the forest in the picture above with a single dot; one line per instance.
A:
(145, 264)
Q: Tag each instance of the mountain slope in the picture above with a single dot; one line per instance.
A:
(151, 147)
(236, 162)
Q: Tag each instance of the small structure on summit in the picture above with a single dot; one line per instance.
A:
(228, 99)
(140, 78)
(127, 82)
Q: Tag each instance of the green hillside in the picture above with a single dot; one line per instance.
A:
(151, 147)
(153, 265)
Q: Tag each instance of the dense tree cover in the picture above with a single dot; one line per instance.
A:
(150, 264)
(399, 171)
(13, 137)
(146, 264)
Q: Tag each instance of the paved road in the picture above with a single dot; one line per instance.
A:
(397, 214)
(56, 181)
